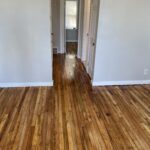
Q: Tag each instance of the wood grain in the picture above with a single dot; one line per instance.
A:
(73, 116)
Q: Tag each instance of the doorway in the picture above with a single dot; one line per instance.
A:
(76, 25)
(71, 27)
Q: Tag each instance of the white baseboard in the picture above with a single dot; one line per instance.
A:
(60, 52)
(72, 41)
(110, 83)
(26, 84)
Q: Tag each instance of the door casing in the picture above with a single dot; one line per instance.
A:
(92, 37)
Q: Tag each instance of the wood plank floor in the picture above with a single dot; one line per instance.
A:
(72, 116)
(71, 47)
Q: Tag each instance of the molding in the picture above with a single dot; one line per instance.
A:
(110, 83)
(62, 26)
(25, 84)
(72, 41)
(60, 52)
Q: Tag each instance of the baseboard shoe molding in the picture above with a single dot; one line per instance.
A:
(25, 84)
(111, 83)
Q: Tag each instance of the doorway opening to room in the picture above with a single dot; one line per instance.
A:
(74, 30)
(71, 26)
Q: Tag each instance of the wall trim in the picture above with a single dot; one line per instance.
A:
(60, 52)
(25, 84)
(72, 41)
(62, 26)
(110, 83)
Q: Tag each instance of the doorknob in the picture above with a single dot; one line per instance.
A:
(93, 44)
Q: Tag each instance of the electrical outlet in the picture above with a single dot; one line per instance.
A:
(146, 71)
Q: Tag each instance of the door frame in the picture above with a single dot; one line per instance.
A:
(86, 38)
(62, 27)
(86, 17)
(80, 27)
(91, 63)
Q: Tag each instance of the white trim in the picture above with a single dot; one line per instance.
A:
(60, 52)
(80, 27)
(110, 83)
(26, 84)
(62, 26)
(72, 41)
(86, 19)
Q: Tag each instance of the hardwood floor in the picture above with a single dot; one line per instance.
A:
(71, 47)
(72, 116)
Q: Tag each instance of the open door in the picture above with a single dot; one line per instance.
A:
(92, 35)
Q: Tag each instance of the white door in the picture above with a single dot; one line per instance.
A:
(92, 36)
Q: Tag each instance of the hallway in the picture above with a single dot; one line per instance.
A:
(71, 48)
(72, 116)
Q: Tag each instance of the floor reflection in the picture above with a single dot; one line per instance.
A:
(70, 63)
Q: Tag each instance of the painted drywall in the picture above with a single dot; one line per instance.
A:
(25, 48)
(123, 42)
(71, 35)
(56, 24)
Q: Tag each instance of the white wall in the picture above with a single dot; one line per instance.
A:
(123, 44)
(25, 50)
